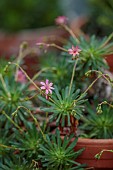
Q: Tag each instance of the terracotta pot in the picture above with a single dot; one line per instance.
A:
(9, 43)
(109, 59)
(92, 147)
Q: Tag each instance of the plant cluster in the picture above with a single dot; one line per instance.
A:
(27, 142)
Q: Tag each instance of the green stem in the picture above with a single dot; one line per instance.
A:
(89, 87)
(73, 74)
(4, 85)
(3, 112)
(101, 152)
(22, 46)
(105, 102)
(104, 76)
(52, 45)
(31, 81)
(35, 120)
(27, 76)
(100, 75)
(70, 32)
(24, 51)
(91, 84)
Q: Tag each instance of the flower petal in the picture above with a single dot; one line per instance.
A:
(47, 81)
(42, 83)
(73, 48)
(43, 87)
(47, 91)
(50, 84)
(70, 51)
(52, 88)
(50, 91)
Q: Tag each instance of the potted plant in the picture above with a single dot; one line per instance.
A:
(69, 104)
(24, 141)
(91, 58)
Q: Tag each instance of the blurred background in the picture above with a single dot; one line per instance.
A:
(28, 14)
(25, 14)
(28, 19)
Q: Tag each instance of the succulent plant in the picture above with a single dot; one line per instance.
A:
(65, 105)
(66, 108)
(16, 163)
(59, 153)
(12, 95)
(5, 149)
(93, 52)
(28, 142)
(97, 125)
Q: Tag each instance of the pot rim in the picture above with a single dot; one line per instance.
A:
(93, 141)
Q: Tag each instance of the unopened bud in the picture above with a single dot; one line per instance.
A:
(99, 109)
(87, 74)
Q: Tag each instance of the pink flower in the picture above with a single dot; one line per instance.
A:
(47, 87)
(61, 20)
(20, 77)
(74, 51)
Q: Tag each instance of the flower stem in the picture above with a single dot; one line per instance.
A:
(91, 84)
(73, 74)
(31, 81)
(105, 102)
(105, 76)
(21, 130)
(52, 45)
(99, 76)
(35, 120)
(23, 52)
(27, 76)
(70, 32)
(22, 46)
(98, 155)
(4, 85)
(89, 87)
